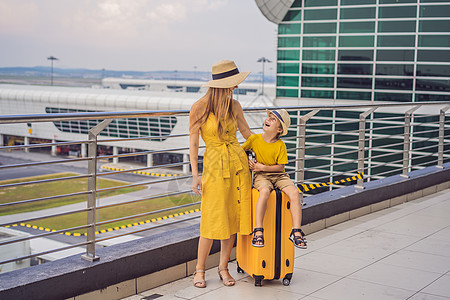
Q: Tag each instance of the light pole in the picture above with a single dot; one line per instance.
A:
(263, 60)
(52, 58)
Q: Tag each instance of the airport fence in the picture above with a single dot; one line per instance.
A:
(329, 146)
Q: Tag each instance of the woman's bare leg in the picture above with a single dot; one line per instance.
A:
(225, 251)
(204, 247)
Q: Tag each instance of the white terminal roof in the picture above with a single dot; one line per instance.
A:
(274, 10)
(108, 99)
(98, 99)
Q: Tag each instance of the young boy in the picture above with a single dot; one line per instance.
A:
(271, 156)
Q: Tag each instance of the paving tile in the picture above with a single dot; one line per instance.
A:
(443, 235)
(369, 244)
(134, 297)
(347, 289)
(329, 263)
(353, 224)
(414, 225)
(184, 288)
(379, 216)
(246, 290)
(394, 276)
(419, 261)
(431, 246)
(440, 287)
(303, 282)
(311, 298)
(439, 210)
(321, 235)
(424, 296)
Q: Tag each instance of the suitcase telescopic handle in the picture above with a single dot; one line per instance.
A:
(251, 156)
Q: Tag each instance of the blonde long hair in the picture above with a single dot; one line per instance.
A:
(220, 103)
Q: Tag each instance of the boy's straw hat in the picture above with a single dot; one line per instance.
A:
(225, 74)
(284, 118)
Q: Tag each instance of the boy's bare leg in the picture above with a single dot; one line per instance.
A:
(260, 210)
(296, 207)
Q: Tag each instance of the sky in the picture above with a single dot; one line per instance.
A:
(138, 35)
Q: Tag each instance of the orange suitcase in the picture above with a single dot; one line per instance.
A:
(276, 259)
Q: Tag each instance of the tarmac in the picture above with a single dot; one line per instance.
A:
(402, 252)
(136, 230)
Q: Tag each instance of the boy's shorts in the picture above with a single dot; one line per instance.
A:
(272, 180)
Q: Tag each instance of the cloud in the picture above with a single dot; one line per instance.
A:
(17, 17)
(168, 13)
(116, 22)
(138, 34)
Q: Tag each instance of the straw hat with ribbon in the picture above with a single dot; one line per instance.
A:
(284, 118)
(225, 74)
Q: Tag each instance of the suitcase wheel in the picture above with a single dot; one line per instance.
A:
(258, 280)
(239, 270)
(287, 279)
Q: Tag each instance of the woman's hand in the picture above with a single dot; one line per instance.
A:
(197, 185)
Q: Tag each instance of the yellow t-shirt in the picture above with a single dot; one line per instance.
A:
(267, 153)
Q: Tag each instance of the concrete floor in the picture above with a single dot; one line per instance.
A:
(402, 252)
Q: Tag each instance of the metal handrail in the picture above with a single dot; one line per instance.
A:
(144, 199)
(142, 230)
(306, 132)
(139, 184)
(144, 214)
(53, 117)
(43, 199)
(45, 163)
(41, 235)
(44, 217)
(44, 181)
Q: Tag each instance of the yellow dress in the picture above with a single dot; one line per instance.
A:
(226, 184)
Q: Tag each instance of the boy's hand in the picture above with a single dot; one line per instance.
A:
(251, 164)
(255, 166)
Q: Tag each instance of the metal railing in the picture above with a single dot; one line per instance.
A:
(325, 144)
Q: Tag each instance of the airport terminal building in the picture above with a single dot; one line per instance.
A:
(362, 50)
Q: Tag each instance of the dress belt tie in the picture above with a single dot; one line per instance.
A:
(229, 155)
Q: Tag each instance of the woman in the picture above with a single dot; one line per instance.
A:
(226, 184)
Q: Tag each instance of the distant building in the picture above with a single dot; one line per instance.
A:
(13, 250)
(186, 86)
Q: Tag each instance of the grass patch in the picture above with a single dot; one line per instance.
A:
(47, 189)
(120, 211)
(32, 191)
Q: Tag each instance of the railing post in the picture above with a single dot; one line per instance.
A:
(92, 188)
(406, 142)
(362, 145)
(441, 136)
(301, 141)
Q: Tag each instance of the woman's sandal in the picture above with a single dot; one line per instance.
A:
(258, 238)
(226, 281)
(199, 283)
(298, 240)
